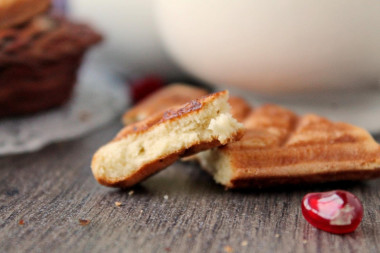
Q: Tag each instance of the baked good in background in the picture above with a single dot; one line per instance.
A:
(167, 97)
(16, 12)
(39, 60)
(177, 94)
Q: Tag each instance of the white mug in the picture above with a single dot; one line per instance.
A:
(272, 46)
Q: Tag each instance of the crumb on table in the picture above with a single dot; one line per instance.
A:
(84, 222)
(228, 249)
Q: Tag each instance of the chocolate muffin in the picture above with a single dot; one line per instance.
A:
(15, 12)
(39, 61)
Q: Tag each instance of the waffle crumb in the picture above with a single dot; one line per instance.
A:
(228, 249)
(277, 235)
(83, 222)
(130, 193)
(117, 203)
(244, 243)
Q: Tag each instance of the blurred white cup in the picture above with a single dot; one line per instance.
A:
(275, 47)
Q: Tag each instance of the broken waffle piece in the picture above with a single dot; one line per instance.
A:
(279, 147)
(168, 97)
(146, 147)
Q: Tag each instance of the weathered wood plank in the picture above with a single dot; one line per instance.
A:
(52, 189)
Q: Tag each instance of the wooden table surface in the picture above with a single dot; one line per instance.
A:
(43, 196)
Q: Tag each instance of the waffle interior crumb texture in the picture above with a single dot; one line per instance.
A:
(124, 157)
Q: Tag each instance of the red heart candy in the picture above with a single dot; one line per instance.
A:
(337, 212)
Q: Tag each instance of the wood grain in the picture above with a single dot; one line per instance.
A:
(52, 189)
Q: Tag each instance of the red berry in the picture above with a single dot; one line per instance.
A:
(337, 212)
(141, 88)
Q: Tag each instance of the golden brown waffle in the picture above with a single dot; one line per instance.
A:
(280, 147)
(15, 12)
(240, 108)
(148, 146)
(167, 97)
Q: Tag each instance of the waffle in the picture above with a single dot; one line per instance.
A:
(146, 147)
(168, 97)
(280, 147)
(240, 109)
